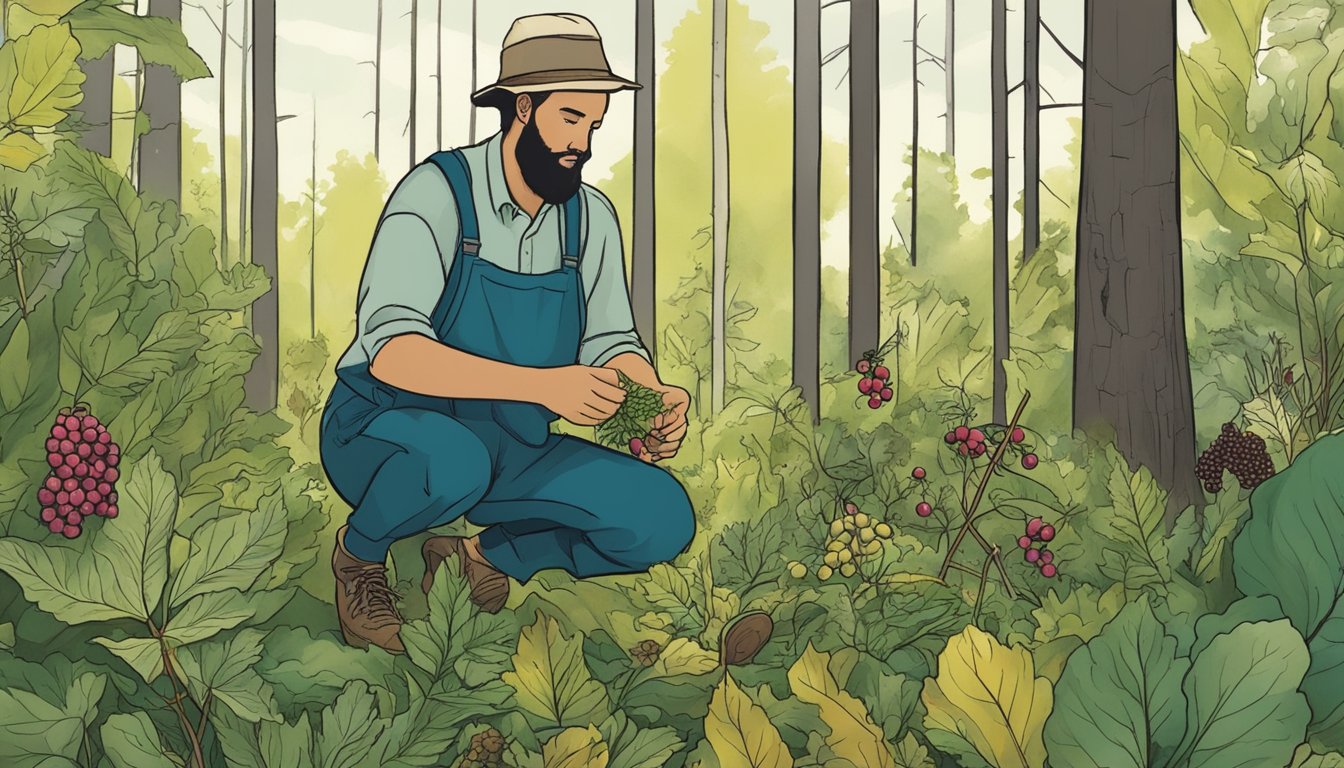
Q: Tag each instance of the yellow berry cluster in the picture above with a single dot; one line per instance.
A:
(851, 537)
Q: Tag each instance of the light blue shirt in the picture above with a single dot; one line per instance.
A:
(414, 247)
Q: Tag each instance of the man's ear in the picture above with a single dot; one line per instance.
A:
(523, 107)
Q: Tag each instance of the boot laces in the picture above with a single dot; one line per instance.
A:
(372, 595)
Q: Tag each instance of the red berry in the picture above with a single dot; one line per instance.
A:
(980, 450)
(1024, 542)
(48, 514)
(1034, 526)
(71, 459)
(1288, 377)
(874, 402)
(1032, 555)
(56, 526)
(1047, 532)
(112, 474)
(64, 471)
(636, 448)
(1048, 571)
(87, 508)
(80, 470)
(918, 474)
(1018, 435)
(111, 511)
(90, 423)
(851, 508)
(89, 484)
(99, 449)
(71, 531)
(973, 444)
(112, 497)
(53, 484)
(53, 445)
(74, 518)
(99, 466)
(881, 372)
(923, 509)
(113, 458)
(113, 447)
(59, 432)
(83, 450)
(887, 393)
(100, 508)
(93, 497)
(950, 438)
(63, 509)
(55, 459)
(865, 385)
(962, 433)
(72, 423)
(1030, 461)
(1047, 556)
(69, 484)
(963, 450)
(104, 437)
(90, 434)
(63, 497)
(45, 497)
(976, 435)
(77, 497)
(862, 366)
(104, 488)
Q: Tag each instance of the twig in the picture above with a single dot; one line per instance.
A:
(1020, 83)
(1067, 105)
(1061, 44)
(984, 578)
(176, 701)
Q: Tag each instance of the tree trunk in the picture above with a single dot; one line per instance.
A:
(998, 86)
(223, 134)
(137, 104)
(99, 75)
(244, 160)
(415, 37)
(807, 203)
(719, 116)
(642, 256)
(1031, 130)
(864, 278)
(1131, 367)
(471, 125)
(263, 378)
(950, 79)
(378, 85)
(312, 232)
(438, 79)
(914, 140)
(160, 158)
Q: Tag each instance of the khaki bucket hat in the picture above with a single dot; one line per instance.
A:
(553, 52)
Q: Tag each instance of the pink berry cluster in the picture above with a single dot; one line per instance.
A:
(874, 381)
(1039, 531)
(923, 508)
(82, 482)
(972, 442)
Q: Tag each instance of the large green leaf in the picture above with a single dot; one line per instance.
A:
(453, 629)
(226, 670)
(209, 614)
(1234, 26)
(143, 654)
(231, 552)
(635, 747)
(137, 545)
(19, 150)
(39, 79)
(419, 736)
(739, 731)
(1119, 701)
(550, 676)
(1292, 548)
(38, 733)
(130, 741)
(350, 728)
(1134, 527)
(158, 40)
(14, 367)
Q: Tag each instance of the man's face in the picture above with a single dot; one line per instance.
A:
(555, 142)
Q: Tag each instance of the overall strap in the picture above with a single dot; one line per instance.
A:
(572, 250)
(454, 168)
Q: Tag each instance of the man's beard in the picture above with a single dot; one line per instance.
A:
(541, 167)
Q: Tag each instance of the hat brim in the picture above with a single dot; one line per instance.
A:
(604, 85)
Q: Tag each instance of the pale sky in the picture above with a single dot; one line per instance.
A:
(322, 46)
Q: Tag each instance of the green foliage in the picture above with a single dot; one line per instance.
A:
(633, 417)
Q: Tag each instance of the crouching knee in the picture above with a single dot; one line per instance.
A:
(665, 525)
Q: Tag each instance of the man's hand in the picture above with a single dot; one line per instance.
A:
(670, 425)
(581, 394)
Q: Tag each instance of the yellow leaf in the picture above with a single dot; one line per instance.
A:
(23, 20)
(854, 735)
(55, 8)
(575, 748)
(40, 78)
(990, 695)
(551, 678)
(741, 733)
(911, 754)
(684, 656)
(19, 150)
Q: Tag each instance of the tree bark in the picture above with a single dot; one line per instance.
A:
(160, 158)
(244, 160)
(950, 78)
(864, 278)
(1132, 369)
(312, 232)
(807, 203)
(999, 97)
(99, 74)
(1031, 130)
(263, 379)
(642, 255)
(438, 79)
(914, 140)
(378, 85)
(223, 134)
(719, 117)
(415, 37)
(471, 126)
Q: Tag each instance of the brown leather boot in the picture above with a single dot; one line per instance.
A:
(364, 602)
(744, 638)
(489, 587)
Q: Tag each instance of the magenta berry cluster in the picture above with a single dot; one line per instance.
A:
(1039, 531)
(82, 482)
(874, 381)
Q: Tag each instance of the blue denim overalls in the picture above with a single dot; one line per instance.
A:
(408, 462)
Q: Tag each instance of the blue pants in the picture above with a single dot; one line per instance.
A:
(567, 503)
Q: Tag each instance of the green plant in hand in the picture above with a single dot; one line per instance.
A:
(629, 427)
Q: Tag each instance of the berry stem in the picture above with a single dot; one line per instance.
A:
(984, 579)
(176, 701)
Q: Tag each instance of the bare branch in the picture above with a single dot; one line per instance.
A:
(842, 79)
(215, 24)
(833, 54)
(833, 2)
(929, 53)
(1052, 193)
(1061, 44)
(934, 61)
(1060, 106)
(1046, 91)
(1020, 83)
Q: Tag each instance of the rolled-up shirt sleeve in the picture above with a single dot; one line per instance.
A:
(403, 280)
(610, 329)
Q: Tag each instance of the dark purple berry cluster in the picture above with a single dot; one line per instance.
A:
(1242, 453)
(82, 482)
(1039, 531)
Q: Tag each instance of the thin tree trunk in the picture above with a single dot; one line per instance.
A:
(438, 79)
(1131, 365)
(262, 380)
(864, 278)
(1031, 130)
(998, 87)
(137, 104)
(223, 134)
(312, 232)
(914, 141)
(719, 118)
(471, 124)
(950, 78)
(378, 86)
(807, 203)
(415, 37)
(99, 74)
(160, 158)
(244, 160)
(642, 256)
